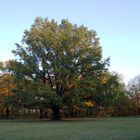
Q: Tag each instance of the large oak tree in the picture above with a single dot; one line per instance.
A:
(65, 59)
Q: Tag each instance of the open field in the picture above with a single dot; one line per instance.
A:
(125, 128)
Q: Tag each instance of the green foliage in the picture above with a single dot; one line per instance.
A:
(122, 105)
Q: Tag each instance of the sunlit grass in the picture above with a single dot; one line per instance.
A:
(87, 129)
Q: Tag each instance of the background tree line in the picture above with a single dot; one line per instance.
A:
(59, 70)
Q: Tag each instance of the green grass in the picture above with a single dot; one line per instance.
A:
(125, 128)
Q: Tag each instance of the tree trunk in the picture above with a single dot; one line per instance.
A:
(56, 113)
(7, 112)
(41, 113)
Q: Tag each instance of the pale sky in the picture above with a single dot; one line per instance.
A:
(117, 23)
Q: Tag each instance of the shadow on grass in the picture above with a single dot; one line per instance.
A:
(66, 119)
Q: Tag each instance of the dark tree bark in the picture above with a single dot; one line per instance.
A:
(41, 113)
(7, 112)
(56, 113)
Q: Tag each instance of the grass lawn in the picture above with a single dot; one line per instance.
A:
(125, 128)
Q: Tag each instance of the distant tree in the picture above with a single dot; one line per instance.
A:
(134, 92)
(6, 86)
(122, 104)
(108, 93)
(29, 94)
